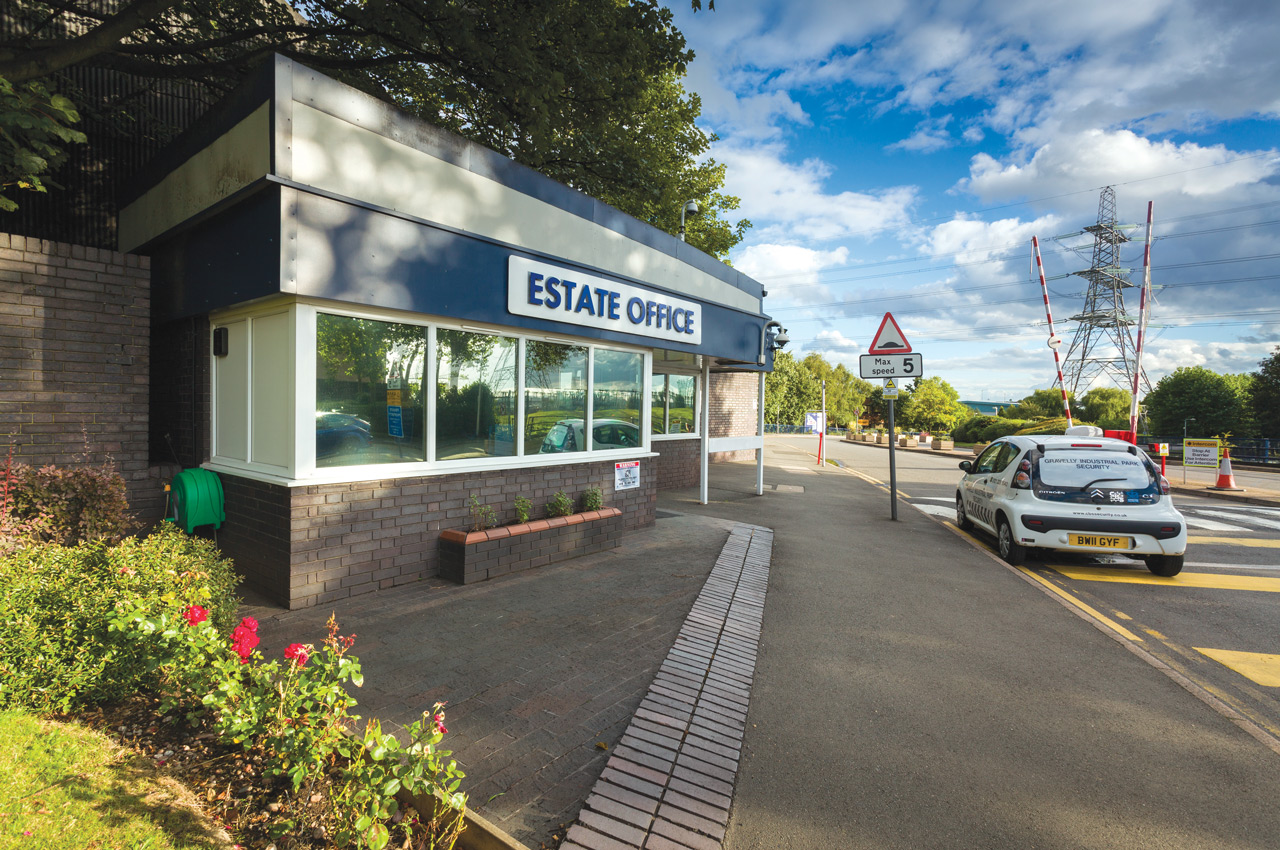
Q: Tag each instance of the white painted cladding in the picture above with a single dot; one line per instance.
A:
(337, 156)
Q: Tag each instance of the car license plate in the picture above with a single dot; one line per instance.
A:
(1101, 541)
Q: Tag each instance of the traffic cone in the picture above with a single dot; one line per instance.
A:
(1226, 481)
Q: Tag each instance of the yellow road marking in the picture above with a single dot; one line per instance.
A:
(1237, 541)
(1260, 667)
(1112, 624)
(1204, 581)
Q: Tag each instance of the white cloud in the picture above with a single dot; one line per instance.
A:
(789, 272)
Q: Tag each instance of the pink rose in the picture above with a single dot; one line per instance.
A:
(298, 653)
(195, 615)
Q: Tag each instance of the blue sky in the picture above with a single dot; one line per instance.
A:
(900, 155)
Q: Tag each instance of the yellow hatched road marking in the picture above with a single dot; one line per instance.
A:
(1260, 667)
(1205, 581)
(1251, 542)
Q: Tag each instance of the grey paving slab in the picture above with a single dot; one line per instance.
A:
(538, 669)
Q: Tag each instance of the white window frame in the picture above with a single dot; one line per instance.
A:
(304, 472)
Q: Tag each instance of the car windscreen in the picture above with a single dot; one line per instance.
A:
(1095, 476)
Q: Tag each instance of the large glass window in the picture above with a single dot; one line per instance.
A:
(369, 403)
(555, 397)
(475, 395)
(675, 402)
(617, 393)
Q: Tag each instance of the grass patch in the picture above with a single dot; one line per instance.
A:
(65, 786)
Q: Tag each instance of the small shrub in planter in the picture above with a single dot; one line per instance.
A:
(593, 499)
(523, 507)
(482, 516)
(560, 505)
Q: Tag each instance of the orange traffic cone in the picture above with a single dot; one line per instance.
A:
(1226, 481)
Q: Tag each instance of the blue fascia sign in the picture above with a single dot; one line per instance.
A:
(542, 291)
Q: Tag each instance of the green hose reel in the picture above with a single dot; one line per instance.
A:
(196, 499)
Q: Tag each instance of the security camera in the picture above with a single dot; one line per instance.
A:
(781, 340)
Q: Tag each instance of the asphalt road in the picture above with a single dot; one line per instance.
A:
(1214, 623)
(913, 692)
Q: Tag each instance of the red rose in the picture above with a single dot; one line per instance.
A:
(297, 652)
(244, 638)
(195, 615)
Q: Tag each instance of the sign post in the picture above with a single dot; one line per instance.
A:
(890, 357)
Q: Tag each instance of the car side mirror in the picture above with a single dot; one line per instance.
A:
(967, 466)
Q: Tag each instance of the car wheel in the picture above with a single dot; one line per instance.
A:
(1011, 550)
(1165, 566)
(962, 518)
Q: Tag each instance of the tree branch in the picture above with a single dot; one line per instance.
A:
(108, 35)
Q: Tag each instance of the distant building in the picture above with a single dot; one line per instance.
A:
(989, 408)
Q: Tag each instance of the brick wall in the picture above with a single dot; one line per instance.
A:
(306, 546)
(179, 400)
(677, 465)
(74, 361)
(735, 410)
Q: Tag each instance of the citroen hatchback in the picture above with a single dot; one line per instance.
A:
(1073, 493)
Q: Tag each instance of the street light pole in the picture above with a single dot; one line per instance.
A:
(1184, 447)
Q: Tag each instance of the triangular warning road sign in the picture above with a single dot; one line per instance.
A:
(889, 339)
(890, 384)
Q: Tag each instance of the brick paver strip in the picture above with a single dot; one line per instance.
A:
(671, 776)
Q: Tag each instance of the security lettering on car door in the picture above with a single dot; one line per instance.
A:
(987, 480)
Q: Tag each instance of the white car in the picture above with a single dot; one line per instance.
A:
(1081, 492)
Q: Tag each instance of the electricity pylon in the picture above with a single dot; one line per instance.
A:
(1103, 345)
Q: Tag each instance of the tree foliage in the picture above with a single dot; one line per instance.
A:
(1041, 404)
(933, 406)
(1266, 394)
(1211, 401)
(1106, 407)
(795, 387)
(588, 93)
(34, 128)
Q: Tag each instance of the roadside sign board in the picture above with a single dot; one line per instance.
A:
(889, 339)
(890, 365)
(395, 423)
(813, 422)
(890, 388)
(1200, 453)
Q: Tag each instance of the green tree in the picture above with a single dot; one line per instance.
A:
(1106, 407)
(789, 391)
(1194, 392)
(1243, 385)
(1041, 404)
(588, 93)
(1266, 395)
(34, 128)
(933, 406)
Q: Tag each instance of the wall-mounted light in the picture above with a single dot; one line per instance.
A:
(221, 342)
(773, 337)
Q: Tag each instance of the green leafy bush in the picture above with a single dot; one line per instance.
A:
(56, 652)
(296, 713)
(592, 499)
(482, 516)
(1050, 426)
(560, 505)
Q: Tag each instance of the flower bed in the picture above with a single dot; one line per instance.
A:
(470, 556)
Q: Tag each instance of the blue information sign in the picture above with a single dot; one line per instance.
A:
(395, 425)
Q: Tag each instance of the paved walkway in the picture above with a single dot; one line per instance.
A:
(538, 668)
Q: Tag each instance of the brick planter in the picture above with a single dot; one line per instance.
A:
(471, 556)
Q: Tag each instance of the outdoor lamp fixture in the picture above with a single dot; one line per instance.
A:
(691, 208)
(773, 337)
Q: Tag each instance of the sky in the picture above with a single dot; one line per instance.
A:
(899, 156)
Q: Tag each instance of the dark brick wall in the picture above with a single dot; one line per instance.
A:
(74, 361)
(678, 466)
(310, 545)
(179, 398)
(735, 405)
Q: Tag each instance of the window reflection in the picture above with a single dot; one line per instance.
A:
(683, 402)
(368, 391)
(475, 395)
(658, 404)
(618, 381)
(555, 397)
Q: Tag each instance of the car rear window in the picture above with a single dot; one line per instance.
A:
(1084, 475)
